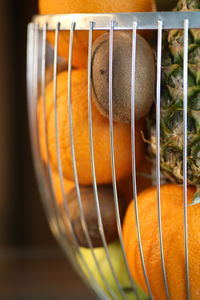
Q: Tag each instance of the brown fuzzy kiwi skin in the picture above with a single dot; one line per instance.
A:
(106, 202)
(122, 64)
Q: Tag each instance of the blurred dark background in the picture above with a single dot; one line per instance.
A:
(20, 189)
(32, 265)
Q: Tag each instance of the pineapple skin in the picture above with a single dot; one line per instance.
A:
(171, 127)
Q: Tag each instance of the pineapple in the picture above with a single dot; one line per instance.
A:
(171, 142)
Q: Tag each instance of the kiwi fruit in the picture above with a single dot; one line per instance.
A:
(121, 76)
(107, 209)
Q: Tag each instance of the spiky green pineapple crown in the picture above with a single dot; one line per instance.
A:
(172, 102)
(185, 5)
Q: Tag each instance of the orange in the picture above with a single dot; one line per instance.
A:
(101, 134)
(173, 240)
(49, 73)
(68, 186)
(80, 48)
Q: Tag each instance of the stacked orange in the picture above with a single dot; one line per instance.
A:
(173, 242)
(101, 134)
(80, 46)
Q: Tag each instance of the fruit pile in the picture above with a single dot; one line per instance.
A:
(171, 143)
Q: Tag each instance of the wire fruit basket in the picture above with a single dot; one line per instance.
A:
(39, 55)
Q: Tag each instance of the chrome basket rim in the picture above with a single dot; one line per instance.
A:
(102, 21)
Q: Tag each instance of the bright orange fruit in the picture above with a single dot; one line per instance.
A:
(173, 241)
(80, 48)
(101, 134)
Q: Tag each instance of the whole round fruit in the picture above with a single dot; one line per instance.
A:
(121, 82)
(49, 74)
(80, 46)
(101, 134)
(68, 186)
(173, 242)
(107, 209)
(119, 268)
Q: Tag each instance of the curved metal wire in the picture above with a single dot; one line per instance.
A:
(185, 122)
(118, 219)
(98, 209)
(158, 177)
(32, 79)
(158, 21)
(80, 204)
(60, 170)
(133, 79)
